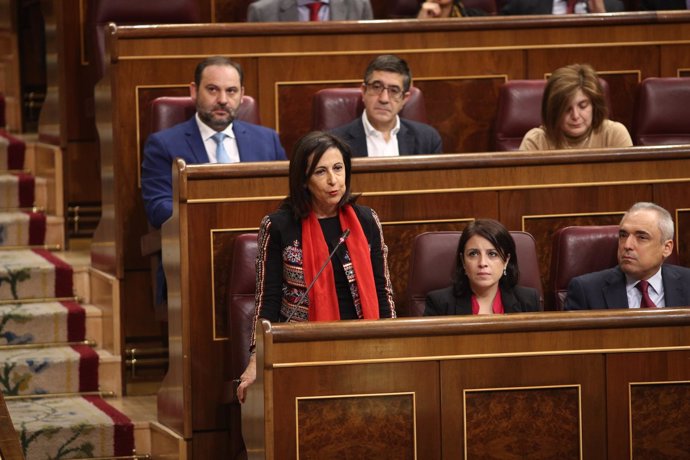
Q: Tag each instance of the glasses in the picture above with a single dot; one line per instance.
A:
(394, 92)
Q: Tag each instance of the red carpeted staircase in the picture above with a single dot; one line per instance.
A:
(54, 370)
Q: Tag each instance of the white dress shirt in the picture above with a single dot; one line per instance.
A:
(377, 146)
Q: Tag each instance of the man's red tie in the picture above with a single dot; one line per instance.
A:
(571, 6)
(314, 10)
(646, 302)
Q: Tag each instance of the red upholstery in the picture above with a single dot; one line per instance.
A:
(333, 107)
(661, 112)
(579, 250)
(241, 290)
(169, 111)
(2, 110)
(519, 110)
(128, 12)
(432, 265)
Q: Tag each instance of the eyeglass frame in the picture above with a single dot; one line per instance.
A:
(395, 96)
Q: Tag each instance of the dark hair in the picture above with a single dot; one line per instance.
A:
(217, 60)
(390, 63)
(562, 85)
(494, 232)
(313, 144)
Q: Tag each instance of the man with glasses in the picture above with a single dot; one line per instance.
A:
(380, 131)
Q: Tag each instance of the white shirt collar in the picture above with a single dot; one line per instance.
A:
(655, 282)
(369, 130)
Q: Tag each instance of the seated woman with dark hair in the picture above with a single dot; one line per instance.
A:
(574, 114)
(486, 276)
(447, 9)
(294, 282)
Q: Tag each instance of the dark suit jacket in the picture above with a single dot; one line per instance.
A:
(286, 10)
(255, 143)
(413, 138)
(546, 6)
(606, 289)
(663, 5)
(443, 301)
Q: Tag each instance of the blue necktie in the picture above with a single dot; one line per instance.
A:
(221, 154)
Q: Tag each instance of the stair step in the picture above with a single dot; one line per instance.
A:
(33, 274)
(83, 426)
(66, 369)
(43, 322)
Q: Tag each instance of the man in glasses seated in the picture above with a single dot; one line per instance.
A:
(380, 132)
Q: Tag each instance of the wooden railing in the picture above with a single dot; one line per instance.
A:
(593, 385)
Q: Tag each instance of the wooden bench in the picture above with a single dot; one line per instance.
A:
(605, 385)
(459, 64)
(537, 192)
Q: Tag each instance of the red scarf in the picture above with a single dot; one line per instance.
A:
(323, 300)
(496, 306)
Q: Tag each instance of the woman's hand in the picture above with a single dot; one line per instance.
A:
(247, 378)
(597, 6)
(429, 10)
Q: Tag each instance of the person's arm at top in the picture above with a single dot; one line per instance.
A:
(379, 265)
(268, 293)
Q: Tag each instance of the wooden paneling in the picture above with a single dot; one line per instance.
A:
(399, 400)
(535, 191)
(9, 67)
(458, 61)
(647, 394)
(540, 385)
(382, 426)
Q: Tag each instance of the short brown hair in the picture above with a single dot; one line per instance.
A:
(315, 143)
(560, 88)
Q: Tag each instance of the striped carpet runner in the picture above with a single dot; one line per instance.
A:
(42, 336)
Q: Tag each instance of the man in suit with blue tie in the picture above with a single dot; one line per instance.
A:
(212, 135)
(641, 279)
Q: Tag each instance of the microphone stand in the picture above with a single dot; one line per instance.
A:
(341, 240)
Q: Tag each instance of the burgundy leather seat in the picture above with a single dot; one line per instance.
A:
(168, 111)
(333, 107)
(519, 110)
(661, 112)
(432, 265)
(579, 250)
(240, 317)
(2, 110)
(241, 289)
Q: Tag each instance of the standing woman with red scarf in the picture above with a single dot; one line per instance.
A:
(295, 241)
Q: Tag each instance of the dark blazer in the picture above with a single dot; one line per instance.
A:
(546, 6)
(606, 289)
(255, 143)
(413, 138)
(443, 301)
(286, 10)
(663, 5)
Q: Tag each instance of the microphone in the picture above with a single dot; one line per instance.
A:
(341, 240)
